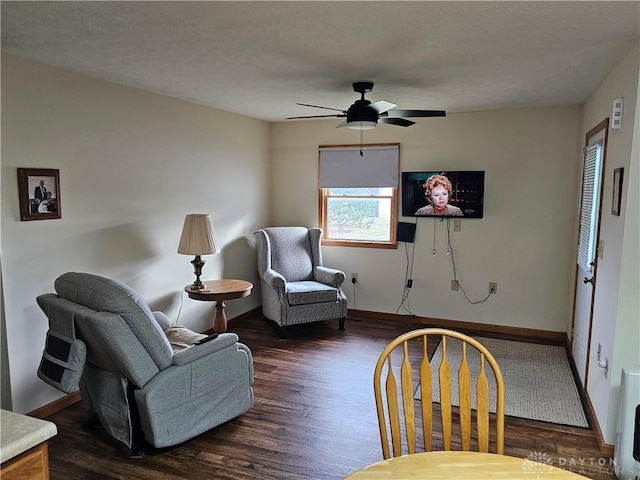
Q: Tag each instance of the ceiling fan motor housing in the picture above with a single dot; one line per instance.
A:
(362, 112)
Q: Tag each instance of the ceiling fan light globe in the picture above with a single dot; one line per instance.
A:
(361, 125)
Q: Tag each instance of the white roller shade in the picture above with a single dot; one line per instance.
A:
(343, 167)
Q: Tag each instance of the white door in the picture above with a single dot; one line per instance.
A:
(587, 256)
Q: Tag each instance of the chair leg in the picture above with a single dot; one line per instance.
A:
(282, 332)
(137, 451)
(341, 324)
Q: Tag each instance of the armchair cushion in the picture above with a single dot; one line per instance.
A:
(303, 293)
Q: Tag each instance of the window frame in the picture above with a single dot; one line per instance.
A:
(323, 205)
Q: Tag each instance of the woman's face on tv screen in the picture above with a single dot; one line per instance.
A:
(439, 197)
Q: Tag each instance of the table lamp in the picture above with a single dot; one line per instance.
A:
(198, 238)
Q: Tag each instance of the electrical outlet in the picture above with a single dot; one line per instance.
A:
(454, 286)
(493, 287)
(354, 277)
(457, 225)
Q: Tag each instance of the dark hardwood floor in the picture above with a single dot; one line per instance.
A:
(313, 418)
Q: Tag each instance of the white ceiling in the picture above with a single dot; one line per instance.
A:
(260, 58)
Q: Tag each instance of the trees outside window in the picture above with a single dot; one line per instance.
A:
(359, 216)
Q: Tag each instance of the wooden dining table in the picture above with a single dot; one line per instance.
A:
(456, 465)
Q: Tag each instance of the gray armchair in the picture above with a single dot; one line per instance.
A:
(296, 287)
(144, 378)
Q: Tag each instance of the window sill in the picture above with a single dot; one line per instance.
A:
(359, 244)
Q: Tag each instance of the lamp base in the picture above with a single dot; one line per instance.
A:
(197, 263)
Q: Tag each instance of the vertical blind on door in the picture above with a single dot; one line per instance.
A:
(344, 167)
(588, 208)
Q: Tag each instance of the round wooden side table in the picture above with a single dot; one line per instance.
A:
(218, 291)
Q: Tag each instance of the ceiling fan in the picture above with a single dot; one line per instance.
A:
(364, 115)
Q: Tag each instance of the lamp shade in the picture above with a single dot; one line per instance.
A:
(198, 236)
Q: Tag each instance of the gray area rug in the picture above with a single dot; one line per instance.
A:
(539, 384)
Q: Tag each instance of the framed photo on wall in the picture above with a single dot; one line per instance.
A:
(39, 192)
(618, 176)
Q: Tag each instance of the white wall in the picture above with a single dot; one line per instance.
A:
(525, 242)
(616, 318)
(132, 164)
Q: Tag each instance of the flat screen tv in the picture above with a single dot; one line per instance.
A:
(443, 194)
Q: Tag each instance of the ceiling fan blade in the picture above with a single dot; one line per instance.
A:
(316, 116)
(318, 106)
(401, 122)
(416, 113)
(382, 106)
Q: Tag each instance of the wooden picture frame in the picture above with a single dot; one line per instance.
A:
(616, 201)
(39, 193)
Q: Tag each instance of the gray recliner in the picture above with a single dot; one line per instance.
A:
(296, 287)
(143, 377)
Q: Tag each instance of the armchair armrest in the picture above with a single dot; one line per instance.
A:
(273, 278)
(329, 276)
(162, 320)
(197, 352)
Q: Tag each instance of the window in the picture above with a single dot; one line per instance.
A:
(359, 195)
(589, 206)
(358, 215)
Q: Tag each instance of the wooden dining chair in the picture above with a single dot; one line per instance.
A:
(407, 358)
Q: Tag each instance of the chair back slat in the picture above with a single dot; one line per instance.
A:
(414, 364)
(407, 401)
(464, 394)
(394, 413)
(380, 404)
(482, 414)
(499, 409)
(426, 397)
(444, 372)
